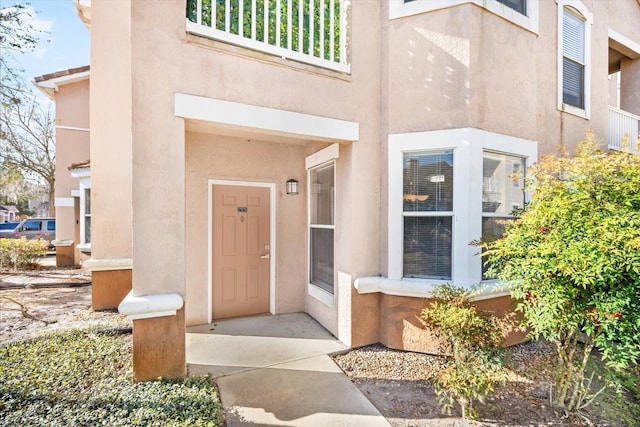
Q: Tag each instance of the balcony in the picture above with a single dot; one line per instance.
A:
(309, 31)
(623, 126)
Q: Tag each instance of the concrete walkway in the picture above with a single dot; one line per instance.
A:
(275, 371)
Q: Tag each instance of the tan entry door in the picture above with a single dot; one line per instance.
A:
(240, 250)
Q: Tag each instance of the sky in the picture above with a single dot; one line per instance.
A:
(64, 43)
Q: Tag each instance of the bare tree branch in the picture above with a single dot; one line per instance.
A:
(27, 141)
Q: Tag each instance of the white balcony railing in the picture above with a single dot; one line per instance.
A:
(623, 126)
(309, 31)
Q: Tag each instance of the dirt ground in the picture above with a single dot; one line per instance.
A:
(396, 382)
(26, 312)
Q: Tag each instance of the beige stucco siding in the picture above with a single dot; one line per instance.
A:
(168, 61)
(72, 105)
(465, 66)
(215, 157)
(111, 129)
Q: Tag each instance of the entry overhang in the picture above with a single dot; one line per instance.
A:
(266, 120)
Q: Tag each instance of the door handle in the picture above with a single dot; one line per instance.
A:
(265, 256)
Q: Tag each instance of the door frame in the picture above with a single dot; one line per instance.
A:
(272, 239)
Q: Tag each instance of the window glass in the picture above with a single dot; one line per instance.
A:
(519, 6)
(428, 182)
(87, 215)
(427, 233)
(500, 193)
(321, 233)
(32, 226)
(492, 229)
(51, 226)
(573, 61)
(321, 190)
(321, 270)
(427, 247)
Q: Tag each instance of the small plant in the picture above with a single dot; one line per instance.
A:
(572, 261)
(474, 338)
(21, 253)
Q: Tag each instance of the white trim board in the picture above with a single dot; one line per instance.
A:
(264, 119)
(63, 202)
(530, 21)
(272, 239)
(75, 128)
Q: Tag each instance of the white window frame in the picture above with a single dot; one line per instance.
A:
(468, 145)
(582, 10)
(325, 156)
(530, 22)
(84, 177)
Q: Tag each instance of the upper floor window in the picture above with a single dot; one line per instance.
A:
(519, 6)
(572, 59)
(574, 43)
(523, 13)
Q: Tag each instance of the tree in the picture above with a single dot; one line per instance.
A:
(16, 36)
(27, 143)
(25, 152)
(572, 262)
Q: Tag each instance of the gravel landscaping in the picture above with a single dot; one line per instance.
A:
(398, 384)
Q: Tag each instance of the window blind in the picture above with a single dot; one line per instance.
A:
(428, 182)
(573, 59)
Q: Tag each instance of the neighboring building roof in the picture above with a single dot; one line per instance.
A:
(80, 165)
(49, 83)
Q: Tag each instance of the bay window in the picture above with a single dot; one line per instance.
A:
(448, 188)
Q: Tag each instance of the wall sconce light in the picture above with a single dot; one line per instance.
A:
(292, 186)
(316, 188)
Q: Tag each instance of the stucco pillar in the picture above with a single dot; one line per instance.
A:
(111, 154)
(630, 85)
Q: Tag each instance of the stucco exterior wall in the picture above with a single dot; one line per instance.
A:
(169, 61)
(72, 146)
(111, 130)
(216, 157)
(72, 105)
(465, 66)
(458, 67)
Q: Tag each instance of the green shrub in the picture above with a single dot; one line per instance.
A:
(572, 261)
(84, 377)
(21, 253)
(475, 339)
